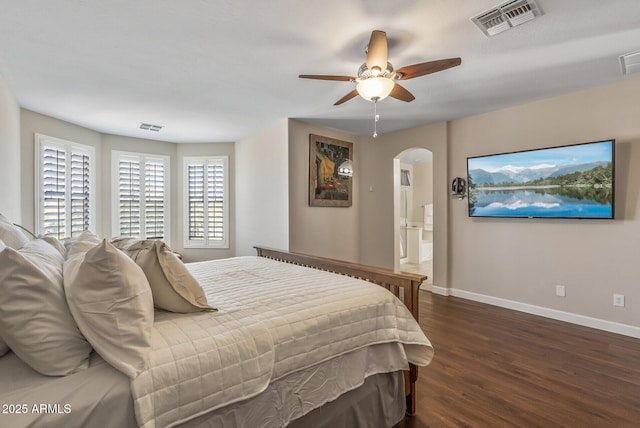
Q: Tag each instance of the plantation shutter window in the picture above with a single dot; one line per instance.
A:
(154, 206)
(129, 200)
(141, 196)
(206, 202)
(215, 202)
(64, 180)
(54, 196)
(80, 184)
(196, 203)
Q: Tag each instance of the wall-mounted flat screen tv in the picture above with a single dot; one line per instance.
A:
(573, 181)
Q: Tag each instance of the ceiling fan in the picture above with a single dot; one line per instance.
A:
(376, 78)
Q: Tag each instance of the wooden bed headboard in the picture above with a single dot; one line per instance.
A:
(405, 286)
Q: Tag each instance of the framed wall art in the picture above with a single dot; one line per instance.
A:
(329, 185)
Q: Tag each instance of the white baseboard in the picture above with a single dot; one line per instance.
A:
(440, 290)
(613, 327)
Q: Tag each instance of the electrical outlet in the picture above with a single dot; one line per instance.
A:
(560, 292)
(618, 300)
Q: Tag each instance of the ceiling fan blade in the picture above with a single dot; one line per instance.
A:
(377, 51)
(322, 77)
(417, 70)
(347, 97)
(400, 93)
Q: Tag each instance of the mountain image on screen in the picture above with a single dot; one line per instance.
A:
(573, 181)
(526, 175)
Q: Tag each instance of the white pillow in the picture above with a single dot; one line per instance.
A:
(173, 287)
(12, 236)
(34, 317)
(111, 301)
(3, 346)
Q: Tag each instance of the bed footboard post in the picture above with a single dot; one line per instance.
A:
(410, 389)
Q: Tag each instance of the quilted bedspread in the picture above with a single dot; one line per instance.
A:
(273, 319)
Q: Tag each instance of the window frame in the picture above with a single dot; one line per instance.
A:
(205, 160)
(143, 158)
(45, 141)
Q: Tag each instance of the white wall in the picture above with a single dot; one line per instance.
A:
(322, 231)
(262, 189)
(9, 155)
(522, 260)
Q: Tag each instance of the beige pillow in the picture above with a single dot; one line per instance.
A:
(111, 301)
(12, 236)
(56, 244)
(173, 287)
(81, 243)
(35, 320)
(3, 346)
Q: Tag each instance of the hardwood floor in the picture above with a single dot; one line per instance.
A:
(494, 367)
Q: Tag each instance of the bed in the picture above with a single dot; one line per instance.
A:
(296, 341)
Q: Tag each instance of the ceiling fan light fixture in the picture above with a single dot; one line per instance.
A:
(375, 87)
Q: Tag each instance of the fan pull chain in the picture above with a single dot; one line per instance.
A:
(376, 116)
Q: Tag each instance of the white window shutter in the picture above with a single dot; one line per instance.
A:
(64, 187)
(196, 202)
(154, 200)
(129, 198)
(142, 195)
(54, 179)
(206, 203)
(216, 201)
(80, 193)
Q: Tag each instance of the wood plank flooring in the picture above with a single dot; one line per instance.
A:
(494, 367)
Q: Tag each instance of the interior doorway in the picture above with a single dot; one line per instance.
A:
(413, 212)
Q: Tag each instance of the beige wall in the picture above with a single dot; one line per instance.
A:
(376, 181)
(523, 259)
(9, 154)
(322, 231)
(262, 190)
(422, 183)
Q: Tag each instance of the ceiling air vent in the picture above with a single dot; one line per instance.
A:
(506, 15)
(630, 62)
(150, 127)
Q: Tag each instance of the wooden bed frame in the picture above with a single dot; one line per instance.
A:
(405, 286)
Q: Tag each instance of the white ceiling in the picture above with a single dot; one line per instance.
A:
(220, 70)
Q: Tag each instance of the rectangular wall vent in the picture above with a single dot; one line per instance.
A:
(150, 127)
(630, 62)
(506, 15)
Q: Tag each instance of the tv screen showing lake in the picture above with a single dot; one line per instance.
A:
(566, 182)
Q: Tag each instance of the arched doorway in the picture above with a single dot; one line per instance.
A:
(413, 212)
